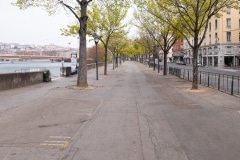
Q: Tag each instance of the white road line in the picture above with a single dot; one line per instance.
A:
(56, 141)
(59, 137)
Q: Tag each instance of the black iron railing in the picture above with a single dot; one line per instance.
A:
(222, 82)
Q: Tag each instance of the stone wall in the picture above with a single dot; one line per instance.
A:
(15, 80)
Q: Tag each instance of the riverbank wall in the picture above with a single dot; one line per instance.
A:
(22, 79)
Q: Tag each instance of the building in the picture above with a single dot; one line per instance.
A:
(177, 51)
(221, 46)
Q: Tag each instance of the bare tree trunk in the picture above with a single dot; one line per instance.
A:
(195, 69)
(165, 62)
(149, 60)
(105, 61)
(82, 69)
(120, 59)
(113, 61)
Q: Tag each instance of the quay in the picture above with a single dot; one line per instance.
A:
(133, 113)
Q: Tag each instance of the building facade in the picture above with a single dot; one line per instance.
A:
(177, 51)
(221, 46)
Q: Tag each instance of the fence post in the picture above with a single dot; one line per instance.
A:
(188, 75)
(200, 76)
(232, 85)
(218, 81)
(183, 73)
(208, 79)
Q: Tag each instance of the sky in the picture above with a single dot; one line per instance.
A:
(34, 26)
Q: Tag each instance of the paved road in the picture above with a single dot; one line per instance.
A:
(133, 113)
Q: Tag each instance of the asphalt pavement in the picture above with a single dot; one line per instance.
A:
(133, 113)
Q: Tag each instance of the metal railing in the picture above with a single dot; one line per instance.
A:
(226, 83)
(34, 69)
(93, 65)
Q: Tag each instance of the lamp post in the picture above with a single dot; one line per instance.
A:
(96, 43)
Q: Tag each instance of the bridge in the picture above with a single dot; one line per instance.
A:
(26, 57)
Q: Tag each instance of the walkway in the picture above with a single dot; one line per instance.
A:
(133, 113)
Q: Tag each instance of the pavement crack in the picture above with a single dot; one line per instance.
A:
(151, 134)
(139, 127)
(77, 136)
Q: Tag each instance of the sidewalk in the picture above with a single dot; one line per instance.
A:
(133, 113)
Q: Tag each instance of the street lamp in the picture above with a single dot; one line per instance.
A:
(96, 43)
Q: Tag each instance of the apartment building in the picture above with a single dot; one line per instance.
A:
(177, 51)
(221, 46)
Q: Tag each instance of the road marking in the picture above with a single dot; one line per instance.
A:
(62, 145)
(87, 112)
(56, 141)
(60, 137)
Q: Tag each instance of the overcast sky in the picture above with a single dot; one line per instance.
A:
(33, 26)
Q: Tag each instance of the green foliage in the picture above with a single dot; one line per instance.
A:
(133, 48)
(150, 20)
(118, 42)
(106, 18)
(49, 5)
(71, 30)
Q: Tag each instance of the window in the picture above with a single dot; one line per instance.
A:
(228, 36)
(204, 51)
(210, 51)
(229, 49)
(216, 24)
(209, 38)
(215, 50)
(216, 37)
(228, 10)
(209, 27)
(200, 52)
(228, 22)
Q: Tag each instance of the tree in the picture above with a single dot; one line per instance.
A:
(79, 10)
(105, 19)
(163, 34)
(91, 53)
(133, 48)
(192, 18)
(147, 43)
(116, 45)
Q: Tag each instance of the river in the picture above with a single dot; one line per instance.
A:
(25, 66)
